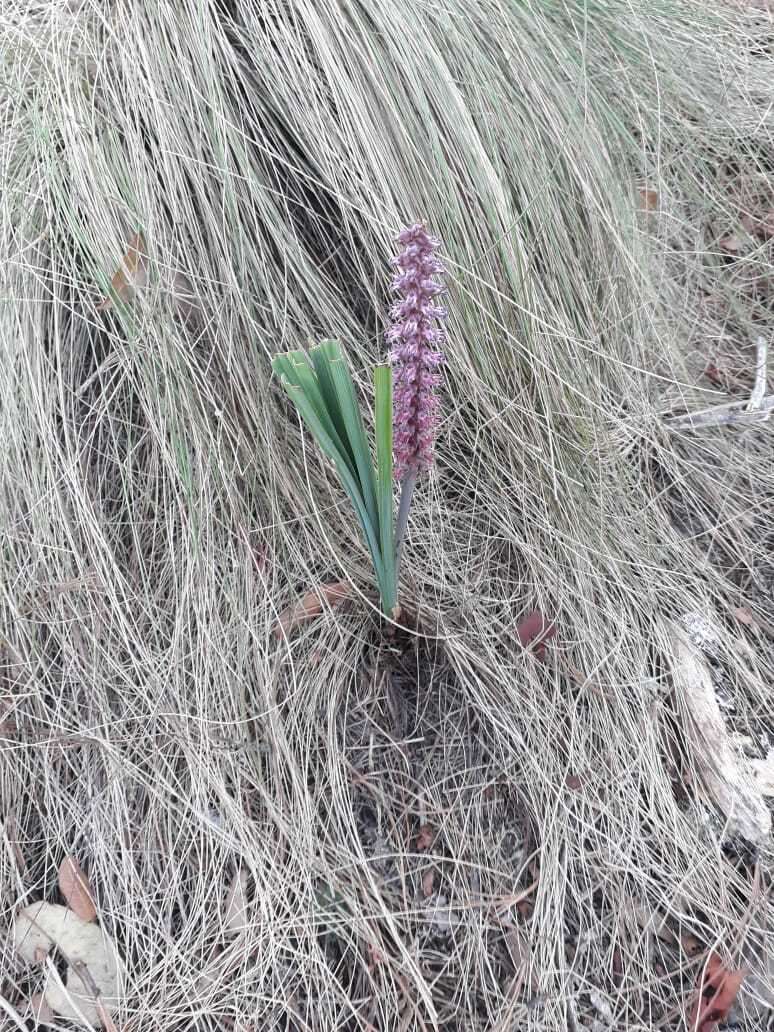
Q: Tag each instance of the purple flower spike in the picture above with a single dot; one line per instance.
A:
(415, 354)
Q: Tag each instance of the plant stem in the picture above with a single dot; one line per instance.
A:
(406, 492)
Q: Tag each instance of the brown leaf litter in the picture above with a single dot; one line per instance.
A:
(310, 606)
(715, 995)
(75, 887)
(130, 276)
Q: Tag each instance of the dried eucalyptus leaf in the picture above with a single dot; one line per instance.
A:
(76, 889)
(40, 927)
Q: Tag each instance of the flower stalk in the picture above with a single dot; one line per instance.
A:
(416, 338)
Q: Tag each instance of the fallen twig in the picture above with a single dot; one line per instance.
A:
(85, 976)
(757, 409)
(759, 390)
(723, 415)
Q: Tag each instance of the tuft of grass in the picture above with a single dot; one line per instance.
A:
(155, 517)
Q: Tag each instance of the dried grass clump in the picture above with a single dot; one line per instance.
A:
(457, 836)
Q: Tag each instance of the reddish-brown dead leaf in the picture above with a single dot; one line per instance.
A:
(715, 995)
(744, 616)
(617, 965)
(424, 838)
(731, 244)
(748, 224)
(648, 200)
(311, 605)
(131, 274)
(534, 631)
(375, 957)
(574, 782)
(428, 881)
(74, 886)
(525, 907)
(714, 375)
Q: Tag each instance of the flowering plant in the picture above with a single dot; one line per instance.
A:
(322, 390)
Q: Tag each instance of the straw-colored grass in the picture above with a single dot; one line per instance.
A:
(459, 836)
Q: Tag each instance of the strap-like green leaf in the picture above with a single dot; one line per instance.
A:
(283, 368)
(383, 421)
(321, 356)
(311, 387)
(296, 369)
(321, 387)
(353, 422)
(349, 480)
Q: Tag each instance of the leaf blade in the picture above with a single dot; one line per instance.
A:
(346, 475)
(75, 887)
(131, 274)
(310, 606)
(355, 431)
(384, 467)
(321, 356)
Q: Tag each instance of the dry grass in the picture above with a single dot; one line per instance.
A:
(160, 507)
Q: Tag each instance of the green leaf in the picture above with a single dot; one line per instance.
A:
(284, 368)
(348, 478)
(383, 419)
(294, 368)
(320, 386)
(310, 385)
(353, 423)
(321, 356)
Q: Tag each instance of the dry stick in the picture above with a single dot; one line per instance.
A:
(85, 976)
(70, 995)
(757, 409)
(759, 390)
(723, 415)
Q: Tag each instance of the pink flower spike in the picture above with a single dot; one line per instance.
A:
(414, 353)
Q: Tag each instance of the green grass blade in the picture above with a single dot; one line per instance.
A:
(383, 420)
